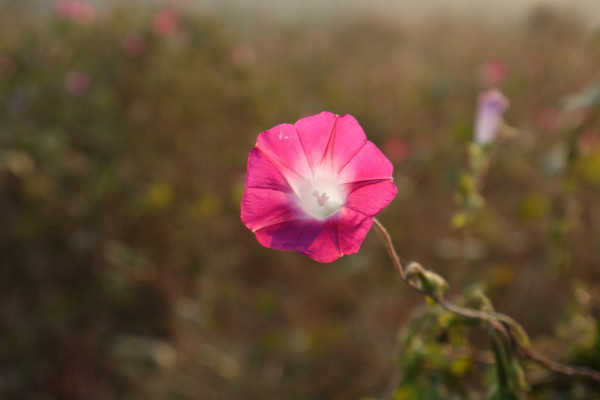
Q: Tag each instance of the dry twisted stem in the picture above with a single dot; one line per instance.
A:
(499, 322)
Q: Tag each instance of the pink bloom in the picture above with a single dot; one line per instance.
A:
(79, 11)
(315, 186)
(548, 119)
(133, 45)
(8, 66)
(490, 109)
(589, 142)
(165, 22)
(63, 7)
(396, 149)
(77, 83)
(83, 12)
(242, 54)
(494, 72)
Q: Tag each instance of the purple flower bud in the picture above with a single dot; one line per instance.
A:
(490, 109)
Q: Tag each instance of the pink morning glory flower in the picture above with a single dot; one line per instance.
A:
(315, 186)
(490, 108)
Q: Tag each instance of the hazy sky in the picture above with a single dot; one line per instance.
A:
(488, 11)
(498, 11)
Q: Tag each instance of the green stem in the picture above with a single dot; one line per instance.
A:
(500, 353)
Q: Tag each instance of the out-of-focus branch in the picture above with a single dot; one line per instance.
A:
(502, 324)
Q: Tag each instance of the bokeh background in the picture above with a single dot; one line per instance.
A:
(125, 271)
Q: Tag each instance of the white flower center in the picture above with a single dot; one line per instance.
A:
(321, 199)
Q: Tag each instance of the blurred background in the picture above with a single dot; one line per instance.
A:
(125, 271)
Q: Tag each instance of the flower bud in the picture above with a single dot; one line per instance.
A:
(426, 280)
(490, 109)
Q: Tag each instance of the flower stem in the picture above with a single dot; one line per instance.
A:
(500, 323)
(390, 248)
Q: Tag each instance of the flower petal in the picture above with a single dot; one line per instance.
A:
(317, 239)
(370, 197)
(262, 173)
(353, 228)
(282, 145)
(345, 142)
(325, 247)
(314, 133)
(266, 207)
(368, 164)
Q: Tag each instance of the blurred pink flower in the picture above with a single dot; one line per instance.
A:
(588, 143)
(396, 149)
(242, 54)
(494, 72)
(490, 109)
(8, 66)
(315, 186)
(165, 22)
(62, 7)
(83, 12)
(133, 45)
(79, 11)
(549, 119)
(77, 83)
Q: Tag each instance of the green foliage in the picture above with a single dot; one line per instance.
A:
(435, 357)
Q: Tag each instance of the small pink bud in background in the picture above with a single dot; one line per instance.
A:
(589, 142)
(79, 11)
(165, 22)
(242, 54)
(549, 119)
(8, 66)
(83, 12)
(396, 149)
(490, 108)
(494, 72)
(62, 7)
(133, 45)
(77, 83)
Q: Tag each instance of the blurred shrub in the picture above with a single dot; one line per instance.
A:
(125, 271)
